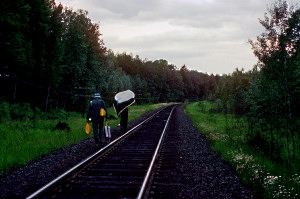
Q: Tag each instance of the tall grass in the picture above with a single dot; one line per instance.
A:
(230, 137)
(23, 141)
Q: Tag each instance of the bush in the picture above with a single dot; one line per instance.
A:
(186, 103)
(15, 110)
(21, 111)
(211, 97)
(219, 106)
(24, 111)
(27, 112)
(39, 115)
(58, 114)
(4, 112)
(212, 110)
(202, 106)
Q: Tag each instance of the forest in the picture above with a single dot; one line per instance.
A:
(53, 57)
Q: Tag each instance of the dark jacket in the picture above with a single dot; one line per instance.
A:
(93, 110)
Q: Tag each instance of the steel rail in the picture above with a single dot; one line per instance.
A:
(146, 179)
(74, 168)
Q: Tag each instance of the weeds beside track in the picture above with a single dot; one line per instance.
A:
(23, 141)
(228, 136)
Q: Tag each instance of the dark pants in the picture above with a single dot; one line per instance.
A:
(98, 129)
(124, 120)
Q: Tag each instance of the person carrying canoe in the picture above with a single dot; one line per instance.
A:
(122, 101)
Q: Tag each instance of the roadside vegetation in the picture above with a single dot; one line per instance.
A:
(252, 118)
(231, 138)
(26, 134)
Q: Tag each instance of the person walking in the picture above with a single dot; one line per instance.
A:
(93, 113)
(124, 120)
(122, 101)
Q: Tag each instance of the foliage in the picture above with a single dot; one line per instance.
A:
(276, 90)
(269, 95)
(4, 112)
(21, 111)
(265, 103)
(246, 154)
(232, 91)
(23, 141)
(24, 112)
(60, 114)
(54, 57)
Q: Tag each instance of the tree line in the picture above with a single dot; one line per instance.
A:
(53, 56)
(269, 95)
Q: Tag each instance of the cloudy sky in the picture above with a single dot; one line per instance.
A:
(206, 35)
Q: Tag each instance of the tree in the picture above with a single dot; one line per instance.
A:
(277, 50)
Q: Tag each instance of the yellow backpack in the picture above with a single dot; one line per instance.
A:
(102, 111)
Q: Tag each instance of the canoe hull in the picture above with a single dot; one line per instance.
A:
(123, 100)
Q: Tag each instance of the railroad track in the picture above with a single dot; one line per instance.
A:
(121, 169)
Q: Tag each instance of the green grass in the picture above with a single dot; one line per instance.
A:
(228, 137)
(23, 141)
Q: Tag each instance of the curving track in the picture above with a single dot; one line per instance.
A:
(119, 170)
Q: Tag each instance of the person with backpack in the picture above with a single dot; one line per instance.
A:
(96, 111)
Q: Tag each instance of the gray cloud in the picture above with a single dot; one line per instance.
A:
(206, 35)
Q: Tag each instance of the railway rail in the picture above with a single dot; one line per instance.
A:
(121, 169)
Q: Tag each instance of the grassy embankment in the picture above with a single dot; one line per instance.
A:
(23, 141)
(229, 137)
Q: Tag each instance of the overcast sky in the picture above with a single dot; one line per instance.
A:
(206, 35)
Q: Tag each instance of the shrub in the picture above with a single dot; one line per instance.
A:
(4, 112)
(212, 110)
(186, 103)
(58, 114)
(211, 97)
(39, 115)
(219, 106)
(202, 106)
(27, 112)
(21, 111)
(15, 111)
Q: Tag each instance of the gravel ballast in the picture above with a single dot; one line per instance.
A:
(201, 170)
(195, 170)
